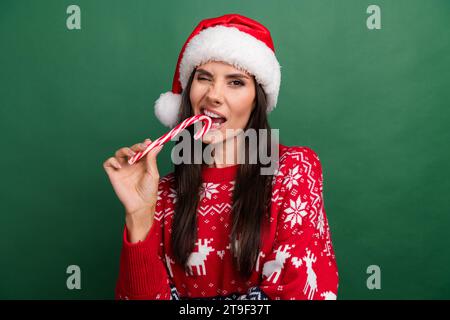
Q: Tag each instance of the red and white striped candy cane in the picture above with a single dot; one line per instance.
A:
(207, 122)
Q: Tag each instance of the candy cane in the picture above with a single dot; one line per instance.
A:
(207, 122)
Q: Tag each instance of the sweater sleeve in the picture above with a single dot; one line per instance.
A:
(302, 263)
(142, 273)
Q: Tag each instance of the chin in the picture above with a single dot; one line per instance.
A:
(213, 136)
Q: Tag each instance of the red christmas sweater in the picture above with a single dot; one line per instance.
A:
(296, 258)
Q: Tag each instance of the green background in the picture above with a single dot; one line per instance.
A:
(373, 104)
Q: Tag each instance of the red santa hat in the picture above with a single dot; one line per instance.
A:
(232, 38)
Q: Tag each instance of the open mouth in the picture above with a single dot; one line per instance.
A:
(217, 119)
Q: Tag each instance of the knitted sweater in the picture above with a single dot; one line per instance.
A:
(296, 258)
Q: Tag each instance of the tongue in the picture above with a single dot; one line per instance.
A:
(218, 120)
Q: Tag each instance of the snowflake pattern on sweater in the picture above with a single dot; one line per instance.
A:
(296, 259)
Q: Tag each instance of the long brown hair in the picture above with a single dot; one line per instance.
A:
(251, 195)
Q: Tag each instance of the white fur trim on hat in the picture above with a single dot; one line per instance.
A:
(243, 51)
(167, 107)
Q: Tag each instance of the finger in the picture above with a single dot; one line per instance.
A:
(141, 146)
(116, 163)
(152, 166)
(124, 153)
(111, 163)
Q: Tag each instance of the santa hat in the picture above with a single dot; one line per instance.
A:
(232, 38)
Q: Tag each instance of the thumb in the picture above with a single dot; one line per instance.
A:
(152, 166)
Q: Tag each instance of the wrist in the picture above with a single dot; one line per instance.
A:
(138, 224)
(143, 211)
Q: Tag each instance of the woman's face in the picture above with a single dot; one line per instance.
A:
(224, 93)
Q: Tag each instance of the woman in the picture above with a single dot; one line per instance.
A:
(221, 229)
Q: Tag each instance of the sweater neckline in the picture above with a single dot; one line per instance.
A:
(214, 174)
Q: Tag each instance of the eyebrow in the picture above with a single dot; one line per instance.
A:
(228, 76)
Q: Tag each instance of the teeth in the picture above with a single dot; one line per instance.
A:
(211, 114)
(216, 125)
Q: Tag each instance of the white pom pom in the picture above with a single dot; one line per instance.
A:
(167, 107)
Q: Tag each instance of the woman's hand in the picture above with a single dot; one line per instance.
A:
(135, 185)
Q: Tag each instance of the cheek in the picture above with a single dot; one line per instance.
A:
(242, 107)
(196, 94)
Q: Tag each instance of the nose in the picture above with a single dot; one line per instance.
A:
(214, 94)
